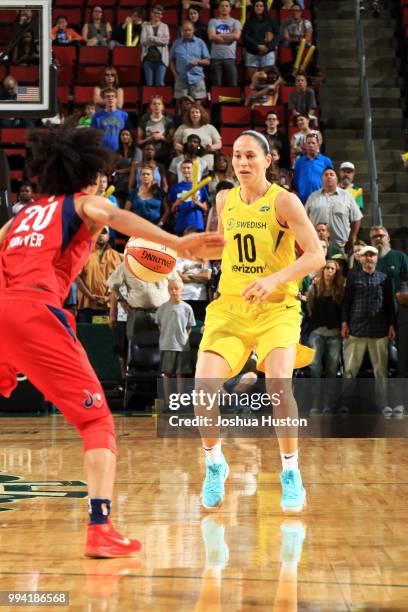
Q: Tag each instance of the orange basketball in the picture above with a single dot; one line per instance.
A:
(149, 261)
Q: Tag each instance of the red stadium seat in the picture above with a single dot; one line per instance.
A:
(260, 113)
(65, 75)
(13, 136)
(73, 15)
(230, 92)
(131, 96)
(285, 55)
(26, 74)
(131, 4)
(230, 134)
(70, 3)
(287, 14)
(285, 92)
(130, 75)
(66, 56)
(88, 75)
(102, 3)
(94, 56)
(83, 95)
(8, 16)
(227, 149)
(126, 56)
(404, 16)
(63, 94)
(149, 92)
(5, 33)
(235, 115)
(171, 17)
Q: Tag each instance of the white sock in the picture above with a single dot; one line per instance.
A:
(214, 454)
(290, 460)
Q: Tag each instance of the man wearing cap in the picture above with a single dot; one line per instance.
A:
(368, 319)
(188, 56)
(337, 208)
(346, 181)
(390, 261)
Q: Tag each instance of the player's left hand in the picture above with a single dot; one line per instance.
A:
(199, 247)
(258, 291)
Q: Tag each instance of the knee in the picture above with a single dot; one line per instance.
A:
(99, 432)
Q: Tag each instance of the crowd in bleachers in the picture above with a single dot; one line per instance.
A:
(171, 86)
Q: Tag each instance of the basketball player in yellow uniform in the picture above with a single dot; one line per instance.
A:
(257, 306)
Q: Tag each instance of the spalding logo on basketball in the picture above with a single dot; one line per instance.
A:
(149, 261)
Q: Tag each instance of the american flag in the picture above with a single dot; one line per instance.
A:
(28, 94)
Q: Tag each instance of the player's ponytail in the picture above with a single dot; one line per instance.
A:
(67, 160)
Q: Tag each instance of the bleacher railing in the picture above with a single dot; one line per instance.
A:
(368, 119)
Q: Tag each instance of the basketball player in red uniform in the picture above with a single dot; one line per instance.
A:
(42, 250)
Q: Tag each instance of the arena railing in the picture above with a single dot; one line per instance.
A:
(368, 119)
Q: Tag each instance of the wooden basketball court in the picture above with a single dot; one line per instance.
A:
(355, 531)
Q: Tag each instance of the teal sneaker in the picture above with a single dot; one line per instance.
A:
(216, 550)
(293, 535)
(212, 494)
(293, 492)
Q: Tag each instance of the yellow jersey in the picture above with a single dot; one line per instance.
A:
(257, 244)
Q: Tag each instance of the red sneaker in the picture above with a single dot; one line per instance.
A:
(103, 541)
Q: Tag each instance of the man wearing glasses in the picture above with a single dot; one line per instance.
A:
(390, 261)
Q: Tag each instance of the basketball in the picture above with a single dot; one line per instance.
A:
(149, 261)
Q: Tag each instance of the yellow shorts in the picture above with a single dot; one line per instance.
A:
(233, 327)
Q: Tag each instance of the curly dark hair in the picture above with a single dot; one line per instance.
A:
(67, 160)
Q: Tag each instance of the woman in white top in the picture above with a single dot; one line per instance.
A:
(298, 140)
(154, 41)
(196, 121)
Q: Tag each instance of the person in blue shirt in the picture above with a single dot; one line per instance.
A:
(188, 55)
(190, 212)
(146, 200)
(309, 168)
(112, 120)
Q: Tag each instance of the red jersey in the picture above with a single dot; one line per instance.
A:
(45, 248)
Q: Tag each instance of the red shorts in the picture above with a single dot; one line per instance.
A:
(39, 341)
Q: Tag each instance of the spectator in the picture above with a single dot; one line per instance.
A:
(142, 300)
(302, 101)
(154, 40)
(337, 208)
(200, 28)
(296, 28)
(97, 31)
(307, 174)
(93, 297)
(146, 199)
(188, 213)
(111, 121)
(298, 140)
(192, 151)
(9, 88)
(175, 319)
(264, 88)
(61, 34)
(346, 181)
(260, 37)
(212, 218)
(119, 34)
(322, 230)
(402, 326)
(354, 260)
(117, 323)
(84, 119)
(390, 261)
(26, 51)
(183, 105)
(25, 197)
(222, 172)
(195, 277)
(224, 33)
(103, 184)
(323, 302)
(188, 56)
(109, 80)
(368, 318)
(156, 127)
(275, 138)
(126, 155)
(24, 19)
(196, 122)
(159, 171)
